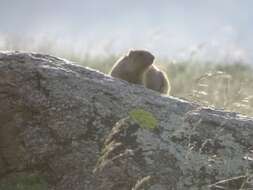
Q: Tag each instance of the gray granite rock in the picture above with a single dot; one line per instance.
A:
(63, 127)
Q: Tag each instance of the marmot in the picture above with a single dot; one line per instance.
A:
(156, 80)
(132, 66)
(136, 67)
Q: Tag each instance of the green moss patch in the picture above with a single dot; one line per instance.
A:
(31, 182)
(143, 118)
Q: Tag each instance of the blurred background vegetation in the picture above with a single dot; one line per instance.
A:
(224, 85)
(205, 47)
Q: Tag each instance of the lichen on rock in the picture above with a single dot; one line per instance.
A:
(76, 128)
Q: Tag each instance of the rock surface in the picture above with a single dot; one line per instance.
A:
(63, 127)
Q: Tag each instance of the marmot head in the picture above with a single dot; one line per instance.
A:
(141, 57)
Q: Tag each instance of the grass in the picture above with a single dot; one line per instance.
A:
(226, 86)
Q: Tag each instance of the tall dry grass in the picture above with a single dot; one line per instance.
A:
(226, 86)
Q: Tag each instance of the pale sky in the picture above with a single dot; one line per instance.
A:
(215, 29)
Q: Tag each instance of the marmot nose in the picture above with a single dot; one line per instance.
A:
(152, 57)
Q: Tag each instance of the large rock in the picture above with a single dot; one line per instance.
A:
(66, 127)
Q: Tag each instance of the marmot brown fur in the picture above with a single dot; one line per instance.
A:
(136, 67)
